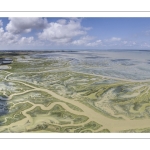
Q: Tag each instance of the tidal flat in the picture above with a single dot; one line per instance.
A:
(75, 91)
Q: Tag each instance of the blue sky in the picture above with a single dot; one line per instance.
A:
(74, 33)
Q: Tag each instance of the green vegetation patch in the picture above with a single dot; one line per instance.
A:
(36, 97)
(36, 111)
(89, 127)
(15, 114)
(74, 107)
(53, 128)
(104, 131)
(45, 126)
(92, 125)
(59, 113)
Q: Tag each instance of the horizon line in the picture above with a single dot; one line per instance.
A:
(68, 49)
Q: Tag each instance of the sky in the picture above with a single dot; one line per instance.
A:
(74, 33)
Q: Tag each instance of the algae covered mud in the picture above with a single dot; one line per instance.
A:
(75, 91)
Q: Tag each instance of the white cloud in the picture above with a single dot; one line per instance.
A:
(147, 32)
(7, 38)
(133, 43)
(1, 34)
(1, 23)
(115, 39)
(145, 45)
(10, 38)
(97, 42)
(62, 21)
(128, 43)
(87, 41)
(1, 31)
(83, 40)
(62, 31)
(25, 40)
(20, 25)
(125, 42)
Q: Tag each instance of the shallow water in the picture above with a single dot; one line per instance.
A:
(126, 64)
